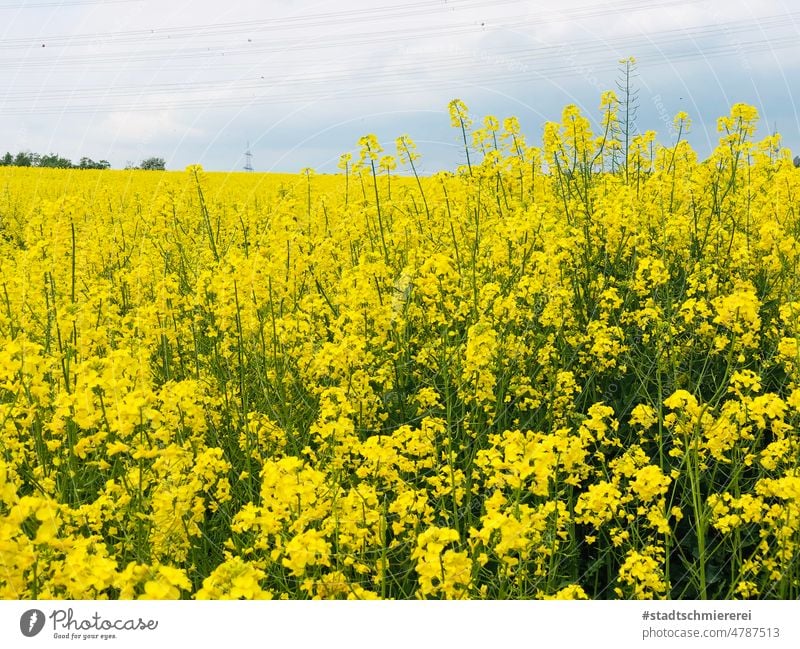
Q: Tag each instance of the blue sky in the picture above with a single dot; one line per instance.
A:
(301, 81)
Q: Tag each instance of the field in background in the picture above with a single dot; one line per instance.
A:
(566, 371)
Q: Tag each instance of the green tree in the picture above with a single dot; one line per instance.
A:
(88, 163)
(54, 161)
(23, 159)
(153, 164)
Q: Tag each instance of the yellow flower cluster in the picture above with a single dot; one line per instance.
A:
(563, 371)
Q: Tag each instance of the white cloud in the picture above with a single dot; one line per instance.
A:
(134, 128)
(197, 79)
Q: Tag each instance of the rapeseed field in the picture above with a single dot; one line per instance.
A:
(561, 371)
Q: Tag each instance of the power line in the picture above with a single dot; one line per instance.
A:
(352, 18)
(663, 38)
(304, 21)
(439, 70)
(226, 55)
(62, 5)
(397, 88)
(527, 63)
(248, 159)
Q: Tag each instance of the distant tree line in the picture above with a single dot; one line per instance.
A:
(149, 164)
(52, 160)
(55, 161)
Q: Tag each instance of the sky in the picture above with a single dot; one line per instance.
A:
(299, 82)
